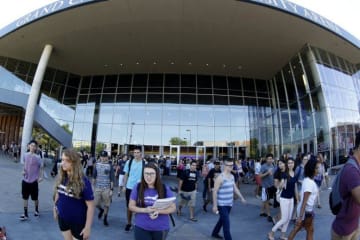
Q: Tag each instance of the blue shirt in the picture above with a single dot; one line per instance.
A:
(134, 174)
(289, 190)
(71, 209)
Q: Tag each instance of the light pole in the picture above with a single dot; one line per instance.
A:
(131, 130)
(189, 130)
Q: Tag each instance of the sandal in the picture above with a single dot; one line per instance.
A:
(270, 237)
(193, 219)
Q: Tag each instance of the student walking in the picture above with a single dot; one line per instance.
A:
(133, 171)
(32, 175)
(104, 185)
(288, 189)
(305, 211)
(223, 195)
(150, 223)
(73, 198)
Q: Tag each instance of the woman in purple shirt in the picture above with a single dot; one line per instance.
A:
(150, 223)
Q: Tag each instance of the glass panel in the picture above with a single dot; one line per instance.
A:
(188, 115)
(205, 116)
(104, 133)
(171, 114)
(137, 114)
(121, 113)
(153, 114)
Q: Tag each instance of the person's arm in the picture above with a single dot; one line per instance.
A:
(135, 209)
(41, 173)
(89, 219)
(55, 212)
(237, 192)
(355, 192)
(180, 184)
(217, 184)
(302, 209)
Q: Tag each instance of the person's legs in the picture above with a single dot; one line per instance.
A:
(284, 213)
(129, 213)
(218, 225)
(352, 236)
(159, 235)
(296, 229)
(141, 234)
(224, 214)
(25, 190)
(67, 235)
(289, 205)
(309, 227)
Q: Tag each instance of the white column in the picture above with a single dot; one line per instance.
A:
(33, 97)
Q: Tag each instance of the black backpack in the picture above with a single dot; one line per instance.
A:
(335, 199)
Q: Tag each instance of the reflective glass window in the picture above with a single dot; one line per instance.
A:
(153, 114)
(140, 80)
(121, 113)
(152, 134)
(188, 99)
(156, 81)
(171, 114)
(111, 81)
(137, 114)
(188, 115)
(222, 116)
(125, 80)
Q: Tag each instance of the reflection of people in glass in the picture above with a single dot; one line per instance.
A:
(74, 199)
(150, 223)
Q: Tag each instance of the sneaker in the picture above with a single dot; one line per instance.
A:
(106, 222)
(216, 236)
(36, 214)
(263, 215)
(23, 218)
(119, 194)
(269, 218)
(128, 227)
(204, 208)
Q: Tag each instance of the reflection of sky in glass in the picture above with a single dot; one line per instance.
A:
(340, 96)
(59, 112)
(11, 82)
(156, 124)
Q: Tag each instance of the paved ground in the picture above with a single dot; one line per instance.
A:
(245, 221)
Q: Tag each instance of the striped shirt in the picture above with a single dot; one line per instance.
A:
(225, 194)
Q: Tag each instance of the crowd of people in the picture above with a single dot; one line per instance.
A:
(291, 185)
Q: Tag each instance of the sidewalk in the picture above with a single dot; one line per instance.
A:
(245, 221)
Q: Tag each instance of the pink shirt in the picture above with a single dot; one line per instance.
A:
(32, 165)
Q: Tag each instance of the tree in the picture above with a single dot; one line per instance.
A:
(177, 141)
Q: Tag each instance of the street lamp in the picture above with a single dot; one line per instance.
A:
(131, 130)
(189, 130)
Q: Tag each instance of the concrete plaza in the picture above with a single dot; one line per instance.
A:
(246, 224)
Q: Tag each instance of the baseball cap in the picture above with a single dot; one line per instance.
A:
(104, 154)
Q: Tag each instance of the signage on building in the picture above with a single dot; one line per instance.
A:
(37, 14)
(309, 15)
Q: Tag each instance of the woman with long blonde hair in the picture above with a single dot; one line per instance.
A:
(73, 198)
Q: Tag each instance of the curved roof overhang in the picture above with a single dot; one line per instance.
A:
(228, 37)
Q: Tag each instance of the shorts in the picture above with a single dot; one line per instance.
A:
(187, 198)
(258, 179)
(30, 189)
(102, 196)
(75, 229)
(127, 196)
(267, 193)
(121, 180)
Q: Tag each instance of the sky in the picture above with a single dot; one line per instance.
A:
(345, 13)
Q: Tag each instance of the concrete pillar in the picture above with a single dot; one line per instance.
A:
(33, 98)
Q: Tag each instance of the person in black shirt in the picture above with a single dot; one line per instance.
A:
(187, 190)
(210, 179)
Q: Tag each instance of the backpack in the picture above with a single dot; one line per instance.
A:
(131, 160)
(335, 199)
(164, 189)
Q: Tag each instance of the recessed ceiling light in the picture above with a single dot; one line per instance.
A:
(239, 67)
(190, 63)
(121, 64)
(206, 64)
(137, 63)
(154, 62)
(172, 63)
(106, 65)
(224, 65)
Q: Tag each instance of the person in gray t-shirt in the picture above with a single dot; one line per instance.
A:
(267, 184)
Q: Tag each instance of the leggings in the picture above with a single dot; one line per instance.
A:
(142, 234)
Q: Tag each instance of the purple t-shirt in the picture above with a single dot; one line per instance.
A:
(142, 220)
(71, 209)
(32, 165)
(347, 220)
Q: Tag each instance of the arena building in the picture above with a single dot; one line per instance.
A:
(200, 78)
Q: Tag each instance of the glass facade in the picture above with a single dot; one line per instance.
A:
(310, 105)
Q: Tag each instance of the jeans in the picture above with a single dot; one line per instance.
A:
(224, 222)
(205, 189)
(142, 234)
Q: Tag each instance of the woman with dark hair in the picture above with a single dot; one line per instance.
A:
(308, 195)
(73, 198)
(287, 186)
(150, 223)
